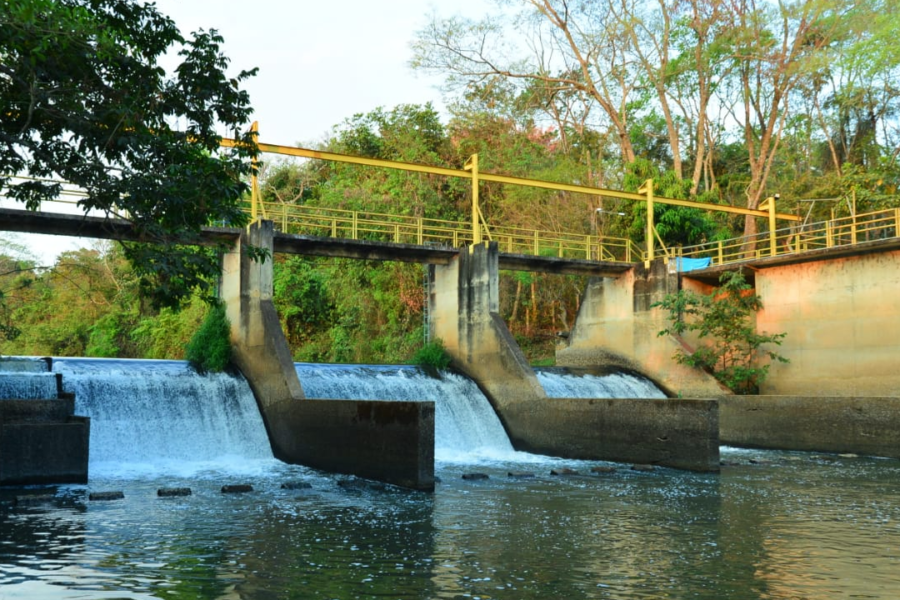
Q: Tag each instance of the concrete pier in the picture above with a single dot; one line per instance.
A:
(463, 308)
(42, 441)
(388, 441)
(617, 326)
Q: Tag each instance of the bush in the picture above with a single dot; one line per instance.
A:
(731, 348)
(209, 350)
(432, 355)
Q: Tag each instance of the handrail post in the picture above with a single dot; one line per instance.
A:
(420, 235)
(897, 222)
(537, 244)
(354, 233)
(472, 165)
(721, 252)
(254, 178)
(647, 188)
(773, 243)
(587, 247)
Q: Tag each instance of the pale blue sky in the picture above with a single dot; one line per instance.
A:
(320, 61)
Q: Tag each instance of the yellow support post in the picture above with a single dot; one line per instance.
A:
(254, 179)
(647, 189)
(769, 204)
(472, 165)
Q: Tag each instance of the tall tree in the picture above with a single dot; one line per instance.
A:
(83, 99)
(569, 46)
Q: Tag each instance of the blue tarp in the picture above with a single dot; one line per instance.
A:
(692, 264)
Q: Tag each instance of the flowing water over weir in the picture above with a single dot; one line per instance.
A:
(582, 383)
(162, 412)
(465, 424)
(772, 525)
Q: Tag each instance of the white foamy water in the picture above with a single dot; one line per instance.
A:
(161, 415)
(565, 383)
(466, 427)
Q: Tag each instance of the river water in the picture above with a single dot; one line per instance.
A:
(771, 525)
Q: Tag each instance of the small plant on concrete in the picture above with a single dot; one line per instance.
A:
(432, 355)
(209, 351)
(730, 348)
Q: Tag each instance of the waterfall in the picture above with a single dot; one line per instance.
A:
(160, 411)
(24, 378)
(465, 423)
(579, 383)
(156, 412)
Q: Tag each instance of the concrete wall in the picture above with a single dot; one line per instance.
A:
(616, 326)
(463, 310)
(674, 432)
(842, 319)
(868, 425)
(42, 442)
(388, 441)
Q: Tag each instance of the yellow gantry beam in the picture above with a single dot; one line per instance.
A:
(482, 176)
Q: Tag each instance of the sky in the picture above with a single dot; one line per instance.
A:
(319, 62)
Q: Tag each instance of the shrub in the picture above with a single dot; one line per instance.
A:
(433, 355)
(210, 348)
(730, 346)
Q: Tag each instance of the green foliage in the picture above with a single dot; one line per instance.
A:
(84, 99)
(102, 338)
(433, 355)
(209, 351)
(730, 347)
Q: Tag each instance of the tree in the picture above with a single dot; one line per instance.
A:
(84, 99)
(730, 347)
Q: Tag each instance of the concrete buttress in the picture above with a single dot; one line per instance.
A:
(388, 441)
(464, 313)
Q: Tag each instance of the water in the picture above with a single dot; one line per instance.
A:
(580, 383)
(465, 425)
(149, 416)
(784, 526)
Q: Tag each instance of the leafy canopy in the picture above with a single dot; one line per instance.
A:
(84, 99)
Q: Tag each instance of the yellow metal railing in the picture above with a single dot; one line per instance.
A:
(845, 231)
(371, 226)
(471, 171)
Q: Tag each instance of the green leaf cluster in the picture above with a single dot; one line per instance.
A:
(433, 355)
(84, 99)
(209, 350)
(729, 346)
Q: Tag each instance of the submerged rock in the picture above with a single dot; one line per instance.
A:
(475, 476)
(603, 469)
(642, 468)
(237, 488)
(520, 474)
(564, 472)
(173, 492)
(296, 485)
(361, 484)
(114, 495)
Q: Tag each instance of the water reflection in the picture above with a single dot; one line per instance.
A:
(798, 527)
